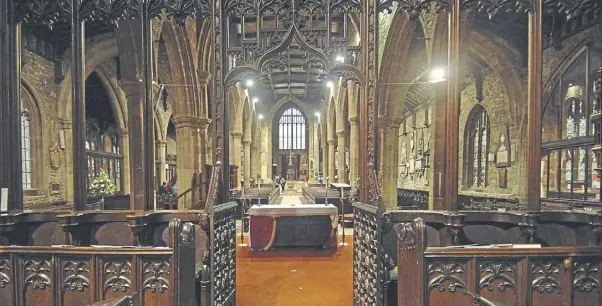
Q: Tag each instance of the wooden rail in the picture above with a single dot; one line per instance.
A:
(76, 276)
(496, 274)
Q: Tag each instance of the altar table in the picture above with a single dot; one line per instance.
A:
(304, 225)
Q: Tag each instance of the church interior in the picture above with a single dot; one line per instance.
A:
(300, 152)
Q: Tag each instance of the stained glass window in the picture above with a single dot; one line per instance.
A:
(477, 147)
(576, 127)
(26, 150)
(292, 130)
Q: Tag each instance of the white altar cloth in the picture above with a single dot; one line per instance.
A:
(293, 210)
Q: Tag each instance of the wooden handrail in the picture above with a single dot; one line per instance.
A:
(481, 301)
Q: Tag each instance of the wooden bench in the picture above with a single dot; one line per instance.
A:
(76, 276)
(494, 275)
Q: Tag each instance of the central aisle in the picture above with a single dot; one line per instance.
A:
(309, 277)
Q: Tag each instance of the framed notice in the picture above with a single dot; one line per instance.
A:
(4, 199)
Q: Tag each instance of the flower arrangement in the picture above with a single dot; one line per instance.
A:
(102, 185)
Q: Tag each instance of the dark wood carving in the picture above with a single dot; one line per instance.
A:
(117, 275)
(546, 276)
(156, 276)
(77, 275)
(67, 275)
(497, 276)
(37, 274)
(4, 273)
(446, 276)
(586, 277)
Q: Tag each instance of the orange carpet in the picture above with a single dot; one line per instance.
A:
(295, 277)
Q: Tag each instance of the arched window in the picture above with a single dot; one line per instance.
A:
(567, 134)
(103, 147)
(26, 149)
(476, 147)
(292, 130)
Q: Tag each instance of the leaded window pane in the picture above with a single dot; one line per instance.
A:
(291, 130)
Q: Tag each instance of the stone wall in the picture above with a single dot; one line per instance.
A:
(496, 103)
(413, 142)
(38, 74)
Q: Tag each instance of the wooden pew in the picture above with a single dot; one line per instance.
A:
(76, 276)
(510, 275)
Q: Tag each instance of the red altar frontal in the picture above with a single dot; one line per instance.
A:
(303, 225)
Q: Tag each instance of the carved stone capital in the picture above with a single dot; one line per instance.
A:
(186, 122)
(236, 135)
(204, 76)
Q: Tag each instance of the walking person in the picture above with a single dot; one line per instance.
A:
(282, 183)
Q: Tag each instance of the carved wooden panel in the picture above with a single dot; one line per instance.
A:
(116, 279)
(223, 255)
(6, 281)
(497, 280)
(37, 281)
(367, 281)
(447, 283)
(547, 281)
(75, 281)
(156, 289)
(586, 281)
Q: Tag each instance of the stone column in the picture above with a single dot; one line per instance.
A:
(125, 167)
(187, 150)
(341, 157)
(331, 149)
(236, 149)
(133, 92)
(315, 148)
(255, 161)
(266, 139)
(203, 141)
(391, 146)
(437, 187)
(161, 147)
(247, 147)
(354, 149)
(325, 163)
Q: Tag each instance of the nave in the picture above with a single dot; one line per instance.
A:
(460, 140)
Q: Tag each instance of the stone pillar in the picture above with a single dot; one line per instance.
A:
(391, 166)
(331, 171)
(161, 152)
(187, 150)
(235, 157)
(203, 141)
(125, 167)
(388, 160)
(341, 157)
(133, 93)
(247, 148)
(315, 148)
(437, 187)
(255, 161)
(354, 149)
(266, 148)
(325, 163)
